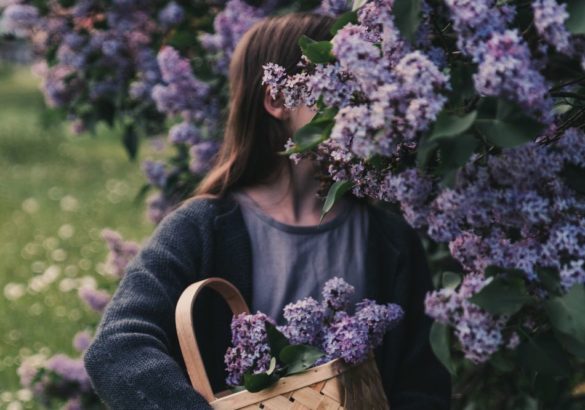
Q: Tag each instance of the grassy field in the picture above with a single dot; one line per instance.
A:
(57, 191)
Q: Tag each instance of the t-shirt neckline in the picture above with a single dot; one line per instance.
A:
(249, 203)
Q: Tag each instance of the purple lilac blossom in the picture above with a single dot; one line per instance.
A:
(171, 15)
(512, 194)
(229, 26)
(94, 298)
(337, 294)
(379, 318)
(184, 133)
(480, 333)
(347, 337)
(476, 20)
(74, 403)
(549, 20)
(155, 172)
(334, 7)
(70, 370)
(507, 70)
(304, 321)
(20, 18)
(202, 156)
(157, 207)
(82, 340)
(120, 252)
(250, 351)
(182, 93)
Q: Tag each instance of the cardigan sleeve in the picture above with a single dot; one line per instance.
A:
(423, 382)
(130, 362)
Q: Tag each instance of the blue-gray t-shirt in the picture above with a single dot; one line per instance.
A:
(293, 262)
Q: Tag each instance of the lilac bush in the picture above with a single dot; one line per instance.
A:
(479, 145)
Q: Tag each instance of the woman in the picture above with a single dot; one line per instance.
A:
(255, 221)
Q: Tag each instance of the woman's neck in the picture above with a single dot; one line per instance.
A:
(291, 198)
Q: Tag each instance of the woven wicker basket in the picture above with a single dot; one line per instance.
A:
(333, 385)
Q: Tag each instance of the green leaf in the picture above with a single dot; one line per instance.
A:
(345, 18)
(576, 21)
(455, 152)
(440, 343)
(357, 4)
(504, 123)
(543, 354)
(550, 279)
(130, 141)
(504, 295)
(574, 177)
(256, 382)
(336, 191)
(298, 358)
(571, 345)
(462, 86)
(450, 280)
(493, 270)
(567, 313)
(318, 52)
(501, 362)
(141, 194)
(308, 137)
(276, 340)
(448, 125)
(272, 366)
(407, 15)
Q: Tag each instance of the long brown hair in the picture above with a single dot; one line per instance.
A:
(252, 137)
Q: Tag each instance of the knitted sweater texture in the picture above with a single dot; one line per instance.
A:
(135, 361)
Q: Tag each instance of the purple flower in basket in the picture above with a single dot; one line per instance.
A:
(337, 293)
(379, 318)
(326, 326)
(250, 351)
(305, 321)
(347, 338)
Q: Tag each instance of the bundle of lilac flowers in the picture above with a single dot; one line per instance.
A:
(315, 333)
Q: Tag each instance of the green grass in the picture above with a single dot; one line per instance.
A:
(57, 191)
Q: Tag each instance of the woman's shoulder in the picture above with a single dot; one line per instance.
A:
(198, 211)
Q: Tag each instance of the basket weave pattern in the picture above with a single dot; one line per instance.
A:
(330, 386)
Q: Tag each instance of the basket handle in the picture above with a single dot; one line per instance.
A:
(184, 321)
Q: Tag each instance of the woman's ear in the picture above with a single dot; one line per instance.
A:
(275, 106)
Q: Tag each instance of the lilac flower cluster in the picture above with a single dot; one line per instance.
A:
(99, 50)
(506, 66)
(58, 376)
(229, 26)
(506, 69)
(325, 325)
(549, 19)
(386, 96)
(157, 207)
(337, 293)
(182, 93)
(121, 252)
(250, 351)
(510, 196)
(96, 299)
(304, 321)
(480, 333)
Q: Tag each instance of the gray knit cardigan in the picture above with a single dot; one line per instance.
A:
(135, 362)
